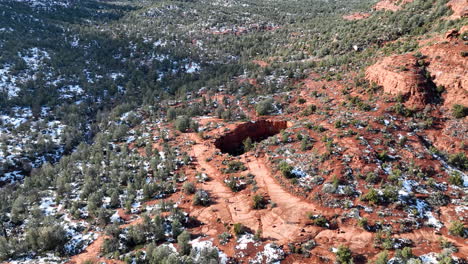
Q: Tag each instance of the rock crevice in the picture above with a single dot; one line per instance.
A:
(232, 142)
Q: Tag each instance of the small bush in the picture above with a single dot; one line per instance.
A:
(201, 198)
(235, 166)
(459, 111)
(265, 107)
(457, 229)
(189, 188)
(258, 202)
(224, 238)
(372, 196)
(459, 160)
(239, 229)
(344, 255)
(286, 169)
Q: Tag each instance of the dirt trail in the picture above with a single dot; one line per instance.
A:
(280, 223)
(92, 253)
(289, 216)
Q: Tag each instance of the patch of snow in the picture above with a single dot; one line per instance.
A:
(198, 246)
(271, 254)
(48, 206)
(192, 67)
(429, 258)
(244, 240)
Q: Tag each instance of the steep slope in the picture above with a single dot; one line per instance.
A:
(448, 67)
(402, 75)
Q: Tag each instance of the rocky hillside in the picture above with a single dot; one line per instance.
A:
(235, 131)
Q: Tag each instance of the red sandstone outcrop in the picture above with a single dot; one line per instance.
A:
(391, 5)
(401, 75)
(449, 68)
(459, 7)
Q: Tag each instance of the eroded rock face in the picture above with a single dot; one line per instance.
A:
(459, 7)
(391, 5)
(232, 142)
(402, 75)
(449, 69)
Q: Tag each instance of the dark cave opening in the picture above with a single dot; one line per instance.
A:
(233, 142)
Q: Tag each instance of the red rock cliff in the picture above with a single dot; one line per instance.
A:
(401, 75)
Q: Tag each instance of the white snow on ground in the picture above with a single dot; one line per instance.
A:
(451, 169)
(8, 82)
(432, 221)
(429, 258)
(17, 138)
(33, 58)
(199, 245)
(70, 91)
(271, 254)
(116, 75)
(49, 258)
(48, 206)
(192, 67)
(424, 212)
(115, 218)
(461, 209)
(244, 240)
(78, 241)
(10, 177)
(20, 116)
(45, 4)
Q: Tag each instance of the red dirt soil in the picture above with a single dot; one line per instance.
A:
(261, 63)
(357, 16)
(391, 5)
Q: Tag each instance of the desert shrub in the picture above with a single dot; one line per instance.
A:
(457, 228)
(239, 229)
(363, 223)
(48, 238)
(459, 160)
(189, 188)
(407, 253)
(321, 221)
(171, 114)
(309, 110)
(259, 202)
(110, 245)
(234, 184)
(206, 255)
(183, 242)
(372, 196)
(344, 255)
(235, 166)
(184, 123)
(372, 177)
(456, 179)
(382, 257)
(438, 199)
(248, 144)
(265, 107)
(286, 169)
(459, 111)
(224, 238)
(201, 197)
